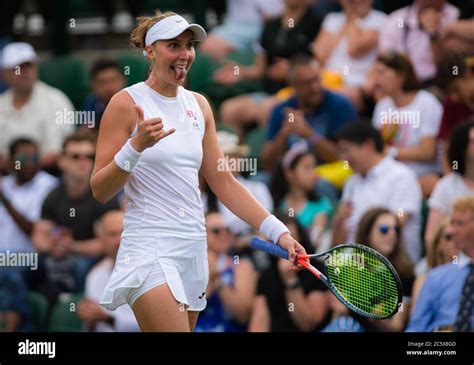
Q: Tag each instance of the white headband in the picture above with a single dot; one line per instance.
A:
(171, 27)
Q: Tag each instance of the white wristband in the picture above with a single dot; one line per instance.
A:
(127, 158)
(273, 228)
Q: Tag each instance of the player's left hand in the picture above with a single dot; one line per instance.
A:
(293, 247)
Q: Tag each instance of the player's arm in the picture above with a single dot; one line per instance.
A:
(117, 123)
(221, 181)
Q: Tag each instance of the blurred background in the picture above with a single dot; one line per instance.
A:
(379, 150)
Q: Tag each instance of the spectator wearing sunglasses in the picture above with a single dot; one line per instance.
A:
(380, 229)
(232, 281)
(72, 205)
(22, 193)
(442, 251)
(446, 299)
(458, 183)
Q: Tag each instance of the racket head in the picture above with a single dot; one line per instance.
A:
(364, 280)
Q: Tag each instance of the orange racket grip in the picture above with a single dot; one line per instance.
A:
(302, 260)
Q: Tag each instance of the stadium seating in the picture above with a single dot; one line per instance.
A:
(63, 317)
(68, 74)
(38, 305)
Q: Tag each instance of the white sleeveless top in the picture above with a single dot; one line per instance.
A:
(163, 189)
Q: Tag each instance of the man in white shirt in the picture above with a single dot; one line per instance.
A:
(379, 181)
(21, 196)
(97, 318)
(30, 108)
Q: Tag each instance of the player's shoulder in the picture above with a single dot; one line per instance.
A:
(201, 99)
(122, 103)
(122, 99)
(203, 103)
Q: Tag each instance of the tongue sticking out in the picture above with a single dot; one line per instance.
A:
(179, 72)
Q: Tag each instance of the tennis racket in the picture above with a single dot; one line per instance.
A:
(360, 277)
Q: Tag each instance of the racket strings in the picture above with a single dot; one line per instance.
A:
(364, 281)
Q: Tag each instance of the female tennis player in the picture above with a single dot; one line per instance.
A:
(154, 139)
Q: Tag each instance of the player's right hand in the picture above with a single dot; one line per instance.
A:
(149, 131)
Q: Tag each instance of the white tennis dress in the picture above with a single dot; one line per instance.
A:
(164, 238)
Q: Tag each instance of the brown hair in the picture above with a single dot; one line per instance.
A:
(78, 137)
(432, 255)
(401, 64)
(398, 257)
(137, 38)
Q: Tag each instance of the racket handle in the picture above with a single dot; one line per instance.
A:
(269, 247)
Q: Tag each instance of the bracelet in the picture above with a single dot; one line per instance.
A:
(273, 228)
(127, 158)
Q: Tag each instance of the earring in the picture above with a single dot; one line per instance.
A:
(153, 62)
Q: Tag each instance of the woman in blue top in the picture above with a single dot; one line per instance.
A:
(293, 192)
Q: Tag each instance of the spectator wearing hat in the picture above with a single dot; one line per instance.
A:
(30, 108)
